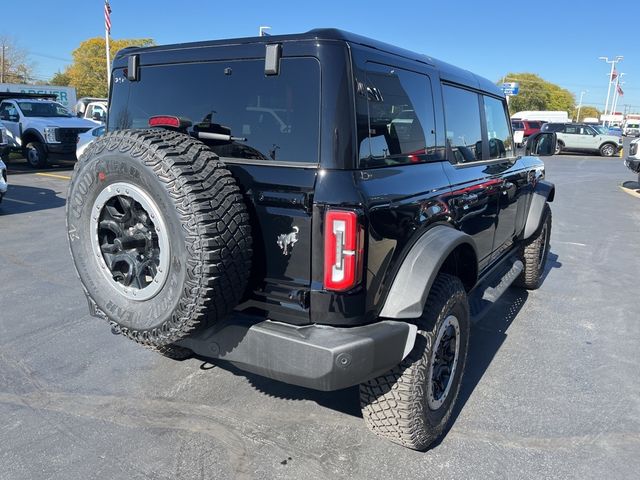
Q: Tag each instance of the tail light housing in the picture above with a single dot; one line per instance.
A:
(343, 250)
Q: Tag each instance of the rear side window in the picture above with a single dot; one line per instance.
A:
(396, 122)
(499, 136)
(462, 120)
(271, 118)
(535, 124)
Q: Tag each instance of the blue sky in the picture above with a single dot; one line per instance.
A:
(560, 40)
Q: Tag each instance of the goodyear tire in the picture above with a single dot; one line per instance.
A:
(534, 253)
(412, 403)
(159, 234)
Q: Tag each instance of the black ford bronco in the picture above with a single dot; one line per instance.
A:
(321, 209)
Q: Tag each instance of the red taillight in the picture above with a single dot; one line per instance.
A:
(342, 250)
(164, 121)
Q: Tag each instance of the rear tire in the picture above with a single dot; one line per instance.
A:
(159, 234)
(412, 403)
(534, 253)
(36, 155)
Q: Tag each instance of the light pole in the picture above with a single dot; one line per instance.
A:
(2, 66)
(613, 66)
(580, 104)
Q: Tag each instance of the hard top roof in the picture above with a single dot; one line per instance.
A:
(447, 71)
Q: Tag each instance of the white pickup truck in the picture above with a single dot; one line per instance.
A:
(92, 109)
(40, 127)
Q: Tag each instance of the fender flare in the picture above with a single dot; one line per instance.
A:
(544, 192)
(412, 283)
(35, 133)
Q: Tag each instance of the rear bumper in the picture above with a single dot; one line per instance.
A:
(314, 356)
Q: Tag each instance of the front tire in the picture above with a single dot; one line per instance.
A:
(608, 150)
(559, 147)
(534, 254)
(411, 404)
(36, 155)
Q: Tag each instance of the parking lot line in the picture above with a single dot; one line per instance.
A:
(63, 177)
(18, 201)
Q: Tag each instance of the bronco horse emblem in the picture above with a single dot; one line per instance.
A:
(286, 240)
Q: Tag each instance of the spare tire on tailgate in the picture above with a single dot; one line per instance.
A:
(159, 234)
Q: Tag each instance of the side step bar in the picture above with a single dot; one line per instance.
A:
(491, 288)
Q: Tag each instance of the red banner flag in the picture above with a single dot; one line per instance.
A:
(614, 75)
(107, 16)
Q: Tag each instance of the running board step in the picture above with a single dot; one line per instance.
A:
(484, 296)
(492, 294)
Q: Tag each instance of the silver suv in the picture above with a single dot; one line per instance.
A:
(579, 137)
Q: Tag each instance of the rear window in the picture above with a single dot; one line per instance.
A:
(535, 124)
(272, 118)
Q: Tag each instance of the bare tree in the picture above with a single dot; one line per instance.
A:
(15, 66)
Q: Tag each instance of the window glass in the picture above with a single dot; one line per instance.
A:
(400, 123)
(571, 129)
(499, 136)
(462, 119)
(254, 116)
(43, 109)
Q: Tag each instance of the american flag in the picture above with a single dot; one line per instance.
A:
(107, 16)
(620, 92)
(614, 75)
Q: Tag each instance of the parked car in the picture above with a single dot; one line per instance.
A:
(615, 131)
(579, 137)
(529, 126)
(633, 160)
(3, 167)
(40, 128)
(89, 108)
(84, 139)
(632, 129)
(304, 215)
(3, 180)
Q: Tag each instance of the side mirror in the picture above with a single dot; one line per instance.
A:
(13, 118)
(542, 144)
(97, 116)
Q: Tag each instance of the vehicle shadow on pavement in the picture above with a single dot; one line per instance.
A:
(345, 401)
(487, 336)
(24, 199)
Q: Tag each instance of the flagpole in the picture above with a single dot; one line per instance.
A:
(106, 38)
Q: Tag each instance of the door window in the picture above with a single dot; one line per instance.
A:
(497, 123)
(571, 129)
(7, 111)
(462, 120)
(398, 125)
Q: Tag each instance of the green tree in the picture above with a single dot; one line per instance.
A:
(585, 111)
(61, 79)
(88, 72)
(538, 94)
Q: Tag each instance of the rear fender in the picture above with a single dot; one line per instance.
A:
(410, 289)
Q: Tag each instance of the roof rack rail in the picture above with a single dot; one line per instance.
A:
(43, 96)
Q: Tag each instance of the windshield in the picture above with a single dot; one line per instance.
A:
(43, 109)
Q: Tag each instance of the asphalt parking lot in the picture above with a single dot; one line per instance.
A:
(552, 389)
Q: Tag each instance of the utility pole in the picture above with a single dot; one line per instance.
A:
(580, 105)
(2, 67)
(613, 66)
